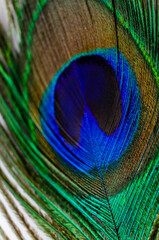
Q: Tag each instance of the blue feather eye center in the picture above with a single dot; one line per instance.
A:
(90, 111)
(89, 82)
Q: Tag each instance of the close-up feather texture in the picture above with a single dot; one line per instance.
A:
(79, 119)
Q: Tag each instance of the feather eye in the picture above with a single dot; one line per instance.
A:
(94, 112)
(80, 104)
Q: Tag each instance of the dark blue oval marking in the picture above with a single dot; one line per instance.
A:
(88, 82)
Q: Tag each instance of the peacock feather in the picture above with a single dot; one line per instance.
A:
(79, 105)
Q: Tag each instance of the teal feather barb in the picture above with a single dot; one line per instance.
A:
(79, 120)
